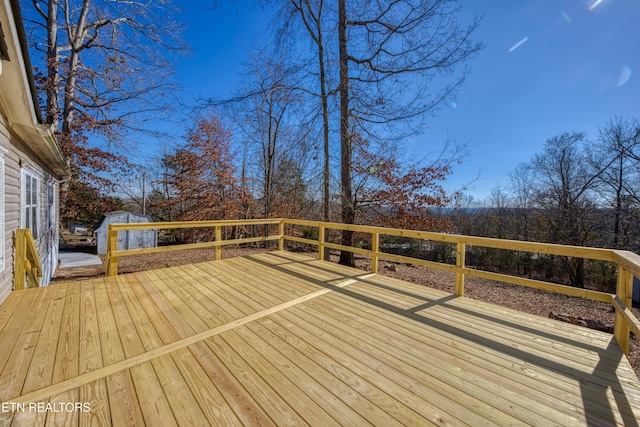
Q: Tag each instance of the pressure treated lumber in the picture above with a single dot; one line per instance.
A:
(283, 339)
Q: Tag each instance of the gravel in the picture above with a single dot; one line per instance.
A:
(532, 301)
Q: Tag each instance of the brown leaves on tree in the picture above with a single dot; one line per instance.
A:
(393, 195)
(203, 176)
(85, 204)
(87, 195)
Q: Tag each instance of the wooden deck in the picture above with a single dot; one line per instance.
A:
(281, 339)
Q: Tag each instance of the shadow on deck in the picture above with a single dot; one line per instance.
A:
(282, 339)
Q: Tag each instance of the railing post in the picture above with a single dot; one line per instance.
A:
(321, 229)
(460, 253)
(112, 246)
(19, 275)
(281, 233)
(621, 330)
(375, 248)
(218, 239)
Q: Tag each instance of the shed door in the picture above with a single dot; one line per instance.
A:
(123, 237)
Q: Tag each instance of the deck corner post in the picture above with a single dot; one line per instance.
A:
(460, 255)
(321, 255)
(375, 248)
(112, 246)
(218, 239)
(624, 292)
(281, 235)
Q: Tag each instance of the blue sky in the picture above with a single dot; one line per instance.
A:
(548, 66)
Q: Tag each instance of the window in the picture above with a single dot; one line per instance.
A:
(30, 202)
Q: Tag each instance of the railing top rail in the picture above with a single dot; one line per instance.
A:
(628, 260)
(190, 224)
(517, 245)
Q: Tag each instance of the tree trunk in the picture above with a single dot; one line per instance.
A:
(76, 38)
(579, 278)
(317, 36)
(269, 161)
(618, 209)
(52, 64)
(348, 214)
(69, 92)
(325, 127)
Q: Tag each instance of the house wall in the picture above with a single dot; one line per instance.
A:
(16, 157)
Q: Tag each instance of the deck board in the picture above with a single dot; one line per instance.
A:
(41, 369)
(90, 355)
(263, 394)
(445, 344)
(412, 349)
(11, 333)
(282, 339)
(66, 364)
(236, 397)
(96, 394)
(398, 366)
(15, 370)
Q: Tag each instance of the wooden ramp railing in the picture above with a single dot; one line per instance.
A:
(27, 269)
(628, 263)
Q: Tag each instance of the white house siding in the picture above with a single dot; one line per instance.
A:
(47, 241)
(7, 262)
(11, 209)
(28, 144)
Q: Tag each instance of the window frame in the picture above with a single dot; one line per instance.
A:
(30, 211)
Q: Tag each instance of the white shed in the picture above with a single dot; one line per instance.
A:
(130, 239)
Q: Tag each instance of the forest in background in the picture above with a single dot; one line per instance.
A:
(326, 105)
(579, 191)
(318, 130)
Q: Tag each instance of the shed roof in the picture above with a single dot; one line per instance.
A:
(116, 213)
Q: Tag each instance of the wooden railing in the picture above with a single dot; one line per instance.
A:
(27, 269)
(628, 263)
(113, 253)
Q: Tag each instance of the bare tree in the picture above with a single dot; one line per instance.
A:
(565, 189)
(397, 60)
(104, 54)
(390, 55)
(265, 111)
(521, 187)
(107, 68)
(614, 154)
(311, 15)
